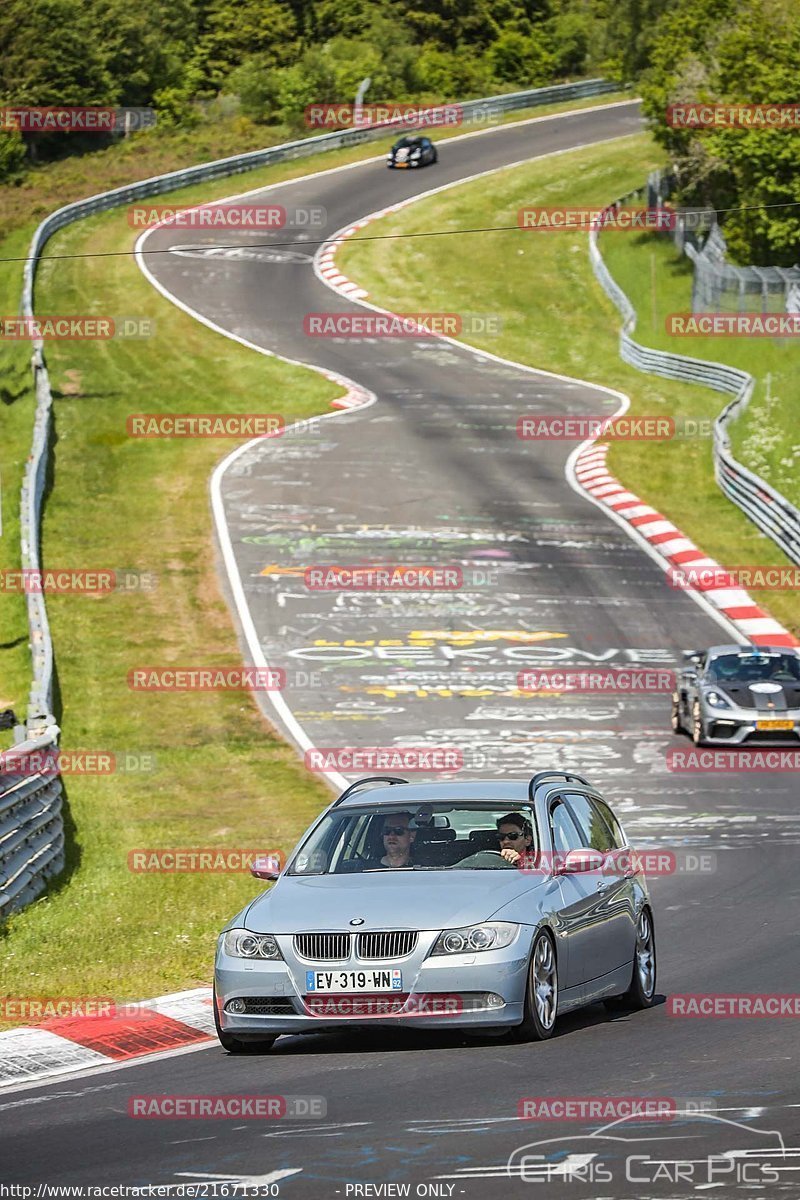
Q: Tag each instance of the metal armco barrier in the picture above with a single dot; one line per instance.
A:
(31, 828)
(35, 843)
(765, 506)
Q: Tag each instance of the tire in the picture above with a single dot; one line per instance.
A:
(541, 1009)
(675, 715)
(435, 158)
(642, 988)
(698, 734)
(236, 1046)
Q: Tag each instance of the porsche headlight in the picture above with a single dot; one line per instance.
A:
(492, 935)
(717, 700)
(240, 943)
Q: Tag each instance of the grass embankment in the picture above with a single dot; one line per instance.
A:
(658, 281)
(555, 316)
(222, 779)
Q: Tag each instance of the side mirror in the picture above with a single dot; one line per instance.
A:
(265, 868)
(578, 862)
(693, 656)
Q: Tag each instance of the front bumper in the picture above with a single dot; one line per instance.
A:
(445, 991)
(738, 726)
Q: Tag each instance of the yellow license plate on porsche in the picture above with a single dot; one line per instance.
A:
(401, 164)
(765, 725)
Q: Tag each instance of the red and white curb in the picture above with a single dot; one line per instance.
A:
(355, 397)
(325, 262)
(678, 551)
(326, 266)
(64, 1044)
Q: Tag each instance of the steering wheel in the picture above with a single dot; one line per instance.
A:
(479, 853)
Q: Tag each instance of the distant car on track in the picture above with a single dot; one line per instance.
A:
(458, 935)
(412, 151)
(736, 695)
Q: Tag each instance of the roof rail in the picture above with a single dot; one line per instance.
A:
(368, 779)
(540, 777)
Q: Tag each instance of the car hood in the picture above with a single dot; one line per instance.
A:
(385, 900)
(768, 696)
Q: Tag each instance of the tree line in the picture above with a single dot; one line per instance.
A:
(269, 59)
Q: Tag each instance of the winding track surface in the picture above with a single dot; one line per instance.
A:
(432, 472)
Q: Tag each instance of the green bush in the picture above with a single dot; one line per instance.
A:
(12, 156)
(516, 58)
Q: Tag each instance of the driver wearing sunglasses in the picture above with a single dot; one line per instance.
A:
(398, 839)
(516, 838)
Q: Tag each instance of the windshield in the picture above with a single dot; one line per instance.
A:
(406, 143)
(754, 668)
(452, 836)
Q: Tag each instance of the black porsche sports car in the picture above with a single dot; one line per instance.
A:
(412, 151)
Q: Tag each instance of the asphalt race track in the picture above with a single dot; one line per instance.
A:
(432, 472)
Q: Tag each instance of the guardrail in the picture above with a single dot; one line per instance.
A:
(765, 506)
(31, 828)
(40, 863)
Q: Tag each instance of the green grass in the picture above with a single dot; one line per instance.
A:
(658, 281)
(555, 316)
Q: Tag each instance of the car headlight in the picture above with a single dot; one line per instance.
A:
(717, 700)
(240, 943)
(492, 935)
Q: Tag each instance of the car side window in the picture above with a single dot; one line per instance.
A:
(596, 833)
(611, 821)
(566, 835)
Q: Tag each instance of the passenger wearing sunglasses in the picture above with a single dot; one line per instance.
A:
(516, 838)
(397, 842)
